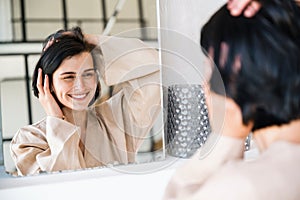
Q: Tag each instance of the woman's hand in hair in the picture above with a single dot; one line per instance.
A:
(248, 7)
(46, 98)
(92, 39)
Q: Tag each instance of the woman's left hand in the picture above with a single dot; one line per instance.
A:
(92, 39)
(46, 99)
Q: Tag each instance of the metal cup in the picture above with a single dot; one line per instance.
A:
(187, 120)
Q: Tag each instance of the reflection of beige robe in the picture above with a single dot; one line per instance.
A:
(223, 174)
(115, 128)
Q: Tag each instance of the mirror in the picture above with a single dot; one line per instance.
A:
(75, 12)
(19, 59)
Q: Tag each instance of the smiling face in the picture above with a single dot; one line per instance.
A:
(75, 81)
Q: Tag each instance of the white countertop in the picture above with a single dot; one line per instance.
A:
(139, 181)
(142, 181)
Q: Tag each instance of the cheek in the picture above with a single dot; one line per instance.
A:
(92, 84)
(59, 88)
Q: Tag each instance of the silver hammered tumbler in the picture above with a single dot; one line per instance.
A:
(187, 120)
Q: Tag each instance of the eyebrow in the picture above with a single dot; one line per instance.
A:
(87, 70)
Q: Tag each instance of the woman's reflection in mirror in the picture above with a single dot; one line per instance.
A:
(79, 131)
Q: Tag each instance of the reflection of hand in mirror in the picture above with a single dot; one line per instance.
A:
(80, 131)
(46, 98)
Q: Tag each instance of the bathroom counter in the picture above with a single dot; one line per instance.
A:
(142, 181)
(138, 181)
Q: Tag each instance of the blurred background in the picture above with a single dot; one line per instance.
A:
(32, 20)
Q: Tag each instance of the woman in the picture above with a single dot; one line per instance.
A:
(258, 60)
(77, 132)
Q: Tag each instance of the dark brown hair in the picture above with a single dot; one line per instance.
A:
(64, 44)
(267, 84)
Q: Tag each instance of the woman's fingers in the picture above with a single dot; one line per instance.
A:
(252, 9)
(44, 89)
(236, 7)
(45, 97)
(39, 84)
(46, 85)
(249, 7)
(90, 38)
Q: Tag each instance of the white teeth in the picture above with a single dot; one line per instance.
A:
(78, 96)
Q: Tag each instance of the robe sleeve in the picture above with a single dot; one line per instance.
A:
(51, 145)
(192, 175)
(132, 68)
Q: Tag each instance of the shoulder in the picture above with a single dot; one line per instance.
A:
(275, 170)
(232, 181)
(40, 128)
(35, 127)
(27, 133)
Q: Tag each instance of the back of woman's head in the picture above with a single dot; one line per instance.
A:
(259, 60)
(57, 47)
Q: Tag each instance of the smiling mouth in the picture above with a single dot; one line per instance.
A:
(78, 96)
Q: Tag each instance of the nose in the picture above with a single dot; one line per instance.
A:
(79, 83)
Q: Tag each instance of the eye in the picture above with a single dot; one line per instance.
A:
(69, 78)
(88, 74)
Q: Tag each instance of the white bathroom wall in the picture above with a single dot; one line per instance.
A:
(180, 26)
(5, 23)
(79, 10)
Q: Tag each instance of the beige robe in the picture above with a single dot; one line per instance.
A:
(221, 173)
(115, 128)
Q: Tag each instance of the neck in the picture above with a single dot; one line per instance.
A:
(79, 118)
(287, 132)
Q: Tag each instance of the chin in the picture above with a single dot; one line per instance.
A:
(75, 107)
(80, 108)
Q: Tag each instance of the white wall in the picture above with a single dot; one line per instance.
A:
(5, 23)
(78, 9)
